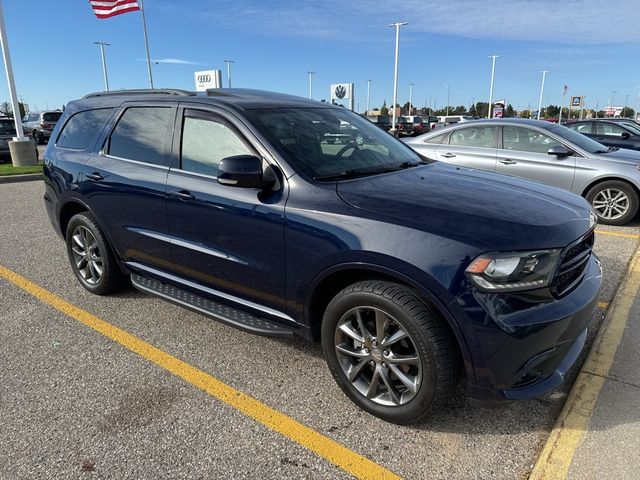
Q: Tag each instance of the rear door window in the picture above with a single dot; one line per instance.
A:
(51, 116)
(581, 127)
(82, 128)
(610, 129)
(480, 136)
(141, 134)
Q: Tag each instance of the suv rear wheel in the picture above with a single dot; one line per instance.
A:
(92, 260)
(614, 201)
(388, 351)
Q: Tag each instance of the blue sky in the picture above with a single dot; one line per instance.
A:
(590, 45)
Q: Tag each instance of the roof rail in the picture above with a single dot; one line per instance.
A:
(139, 91)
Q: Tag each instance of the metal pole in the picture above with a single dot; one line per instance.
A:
(410, 97)
(12, 85)
(430, 104)
(146, 43)
(228, 62)
(447, 98)
(104, 64)
(395, 75)
(493, 71)
(561, 107)
(581, 107)
(544, 74)
(635, 114)
(626, 101)
(368, 95)
(311, 74)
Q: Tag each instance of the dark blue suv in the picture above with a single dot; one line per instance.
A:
(246, 206)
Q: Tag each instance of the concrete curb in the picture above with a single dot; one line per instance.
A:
(27, 177)
(573, 422)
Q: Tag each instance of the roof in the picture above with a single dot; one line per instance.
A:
(240, 98)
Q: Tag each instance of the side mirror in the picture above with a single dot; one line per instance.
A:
(560, 151)
(243, 171)
(626, 135)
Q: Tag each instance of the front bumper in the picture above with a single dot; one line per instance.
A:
(523, 345)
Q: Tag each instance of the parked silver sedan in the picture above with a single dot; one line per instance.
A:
(609, 178)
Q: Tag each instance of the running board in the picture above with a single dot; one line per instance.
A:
(226, 314)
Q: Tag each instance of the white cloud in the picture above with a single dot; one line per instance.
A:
(551, 21)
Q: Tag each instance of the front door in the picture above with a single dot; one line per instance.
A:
(524, 154)
(226, 238)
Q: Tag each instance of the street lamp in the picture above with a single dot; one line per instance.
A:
(493, 71)
(229, 62)
(104, 63)
(444, 85)
(410, 97)
(397, 25)
(544, 75)
(368, 95)
(311, 74)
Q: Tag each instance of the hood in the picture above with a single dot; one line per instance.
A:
(484, 209)
(624, 155)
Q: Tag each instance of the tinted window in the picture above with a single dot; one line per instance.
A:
(580, 127)
(205, 142)
(526, 140)
(140, 135)
(474, 137)
(51, 116)
(82, 127)
(610, 129)
(7, 126)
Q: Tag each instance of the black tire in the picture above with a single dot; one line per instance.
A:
(438, 357)
(596, 195)
(36, 137)
(111, 278)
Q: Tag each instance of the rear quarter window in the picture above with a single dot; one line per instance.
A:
(82, 128)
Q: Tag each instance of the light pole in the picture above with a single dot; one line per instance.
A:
(368, 95)
(410, 97)
(626, 101)
(544, 75)
(229, 62)
(104, 63)
(444, 85)
(635, 114)
(431, 110)
(397, 25)
(311, 74)
(493, 71)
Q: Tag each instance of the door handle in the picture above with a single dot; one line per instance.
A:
(95, 176)
(507, 161)
(183, 195)
(448, 155)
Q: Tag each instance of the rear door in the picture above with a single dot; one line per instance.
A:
(524, 154)
(471, 146)
(125, 182)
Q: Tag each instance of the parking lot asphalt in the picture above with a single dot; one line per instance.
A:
(75, 404)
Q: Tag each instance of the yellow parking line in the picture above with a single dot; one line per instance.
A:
(603, 305)
(617, 234)
(555, 460)
(336, 453)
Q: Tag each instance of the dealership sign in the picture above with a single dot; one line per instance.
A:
(207, 79)
(342, 91)
(577, 101)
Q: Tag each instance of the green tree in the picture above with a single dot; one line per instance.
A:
(628, 112)
(510, 111)
(472, 111)
(5, 109)
(525, 113)
(482, 109)
(551, 111)
(384, 110)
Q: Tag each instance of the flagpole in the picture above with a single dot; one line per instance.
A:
(146, 43)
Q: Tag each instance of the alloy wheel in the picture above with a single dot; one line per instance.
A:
(610, 203)
(86, 255)
(378, 356)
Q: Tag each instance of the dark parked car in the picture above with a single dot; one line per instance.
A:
(7, 132)
(40, 125)
(408, 271)
(382, 121)
(610, 133)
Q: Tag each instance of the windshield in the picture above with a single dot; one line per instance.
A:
(306, 138)
(578, 139)
(7, 126)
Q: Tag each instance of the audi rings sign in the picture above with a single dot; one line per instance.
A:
(342, 91)
(208, 79)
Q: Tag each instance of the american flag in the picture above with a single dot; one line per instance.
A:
(566, 88)
(111, 8)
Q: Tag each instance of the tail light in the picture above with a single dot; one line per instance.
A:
(46, 125)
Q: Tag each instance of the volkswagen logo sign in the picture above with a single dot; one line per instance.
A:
(204, 78)
(340, 91)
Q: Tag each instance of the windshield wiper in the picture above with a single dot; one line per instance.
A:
(355, 172)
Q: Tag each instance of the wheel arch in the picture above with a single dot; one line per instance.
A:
(610, 179)
(328, 283)
(68, 209)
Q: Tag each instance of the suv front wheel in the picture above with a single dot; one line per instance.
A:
(388, 351)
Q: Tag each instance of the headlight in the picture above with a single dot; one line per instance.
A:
(513, 271)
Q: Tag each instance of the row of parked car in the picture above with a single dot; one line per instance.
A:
(37, 125)
(412, 125)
